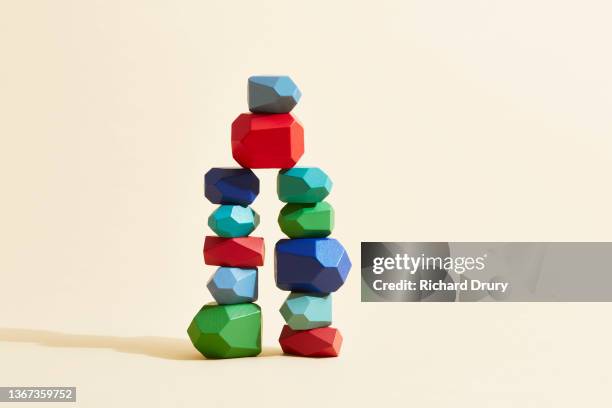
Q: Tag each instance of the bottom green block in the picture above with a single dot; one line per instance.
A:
(227, 331)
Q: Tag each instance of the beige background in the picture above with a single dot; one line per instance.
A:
(437, 120)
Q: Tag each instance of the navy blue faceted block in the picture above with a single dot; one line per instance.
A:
(236, 186)
(317, 265)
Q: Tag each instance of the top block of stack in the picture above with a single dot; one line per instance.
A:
(272, 94)
(269, 137)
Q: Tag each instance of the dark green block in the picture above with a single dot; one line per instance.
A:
(307, 220)
(227, 331)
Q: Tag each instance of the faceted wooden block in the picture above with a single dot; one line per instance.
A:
(233, 285)
(307, 220)
(231, 186)
(304, 311)
(243, 252)
(227, 331)
(231, 221)
(267, 141)
(320, 342)
(303, 185)
(272, 94)
(318, 265)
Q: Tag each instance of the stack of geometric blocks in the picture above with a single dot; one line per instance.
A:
(231, 327)
(308, 264)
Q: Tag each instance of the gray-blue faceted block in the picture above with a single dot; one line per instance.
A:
(233, 285)
(272, 94)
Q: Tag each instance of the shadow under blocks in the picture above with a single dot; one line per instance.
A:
(159, 347)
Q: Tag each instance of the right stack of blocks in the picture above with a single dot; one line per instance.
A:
(309, 264)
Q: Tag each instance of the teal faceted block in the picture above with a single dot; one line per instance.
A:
(231, 221)
(305, 311)
(303, 185)
(233, 285)
(272, 94)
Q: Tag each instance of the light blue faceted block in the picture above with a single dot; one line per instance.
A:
(272, 94)
(233, 285)
(303, 185)
(231, 221)
(304, 311)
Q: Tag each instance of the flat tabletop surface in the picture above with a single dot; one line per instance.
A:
(527, 355)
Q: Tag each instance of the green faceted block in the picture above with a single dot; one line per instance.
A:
(305, 311)
(227, 331)
(307, 220)
(303, 185)
(231, 221)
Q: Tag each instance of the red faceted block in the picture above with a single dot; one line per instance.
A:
(243, 252)
(320, 342)
(262, 141)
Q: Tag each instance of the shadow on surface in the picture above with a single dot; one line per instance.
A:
(159, 347)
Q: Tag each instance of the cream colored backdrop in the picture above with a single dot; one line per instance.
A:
(437, 120)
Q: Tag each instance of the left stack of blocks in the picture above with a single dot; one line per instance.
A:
(231, 327)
